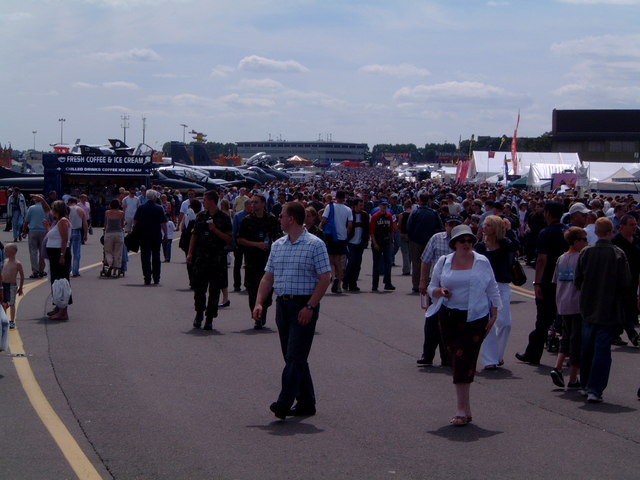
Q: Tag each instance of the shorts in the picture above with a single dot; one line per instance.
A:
(338, 247)
(9, 291)
(571, 341)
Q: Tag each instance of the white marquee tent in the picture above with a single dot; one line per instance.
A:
(613, 184)
(483, 166)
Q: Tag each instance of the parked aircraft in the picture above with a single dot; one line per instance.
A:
(26, 182)
(235, 176)
(191, 174)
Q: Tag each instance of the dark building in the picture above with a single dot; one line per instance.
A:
(597, 135)
(316, 150)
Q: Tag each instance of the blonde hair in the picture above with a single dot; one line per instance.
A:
(498, 225)
(603, 226)
(11, 246)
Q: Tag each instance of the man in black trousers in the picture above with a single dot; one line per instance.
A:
(150, 224)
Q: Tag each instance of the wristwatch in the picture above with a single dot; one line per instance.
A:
(308, 306)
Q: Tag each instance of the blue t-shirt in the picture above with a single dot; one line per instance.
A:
(34, 218)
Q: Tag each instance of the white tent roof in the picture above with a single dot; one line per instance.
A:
(609, 185)
(540, 174)
(598, 171)
(482, 166)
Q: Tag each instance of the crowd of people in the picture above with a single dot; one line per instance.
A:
(458, 243)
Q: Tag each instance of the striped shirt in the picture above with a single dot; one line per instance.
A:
(437, 247)
(296, 267)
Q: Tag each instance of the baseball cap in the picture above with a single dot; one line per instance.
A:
(578, 208)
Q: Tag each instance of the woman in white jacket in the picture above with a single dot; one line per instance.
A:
(467, 299)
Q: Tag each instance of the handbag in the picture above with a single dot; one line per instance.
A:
(61, 292)
(518, 276)
(132, 241)
(330, 227)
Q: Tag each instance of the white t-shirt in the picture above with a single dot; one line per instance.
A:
(184, 206)
(171, 227)
(357, 231)
(342, 215)
(130, 205)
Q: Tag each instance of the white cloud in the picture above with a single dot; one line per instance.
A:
(570, 89)
(133, 55)
(599, 95)
(451, 91)
(607, 46)
(248, 101)
(259, 84)
(255, 63)
(84, 85)
(401, 70)
(126, 85)
(168, 75)
(221, 71)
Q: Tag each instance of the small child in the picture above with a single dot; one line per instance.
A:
(10, 271)
(166, 244)
(568, 304)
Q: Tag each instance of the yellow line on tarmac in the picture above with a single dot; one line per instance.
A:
(523, 291)
(76, 458)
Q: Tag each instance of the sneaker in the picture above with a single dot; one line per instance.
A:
(583, 392)
(556, 376)
(338, 290)
(573, 386)
(389, 287)
(12, 325)
(635, 340)
(594, 398)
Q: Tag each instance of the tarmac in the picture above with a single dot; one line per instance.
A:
(127, 389)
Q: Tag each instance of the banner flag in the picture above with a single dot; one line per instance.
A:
(514, 150)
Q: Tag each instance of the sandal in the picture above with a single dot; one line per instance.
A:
(459, 421)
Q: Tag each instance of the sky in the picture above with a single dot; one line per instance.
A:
(366, 71)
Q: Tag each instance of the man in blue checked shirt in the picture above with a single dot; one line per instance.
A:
(298, 270)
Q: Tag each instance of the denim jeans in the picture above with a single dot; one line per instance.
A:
(76, 242)
(406, 257)
(295, 342)
(16, 223)
(595, 362)
(396, 246)
(4, 333)
(383, 255)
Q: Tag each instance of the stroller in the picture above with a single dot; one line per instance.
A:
(107, 271)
